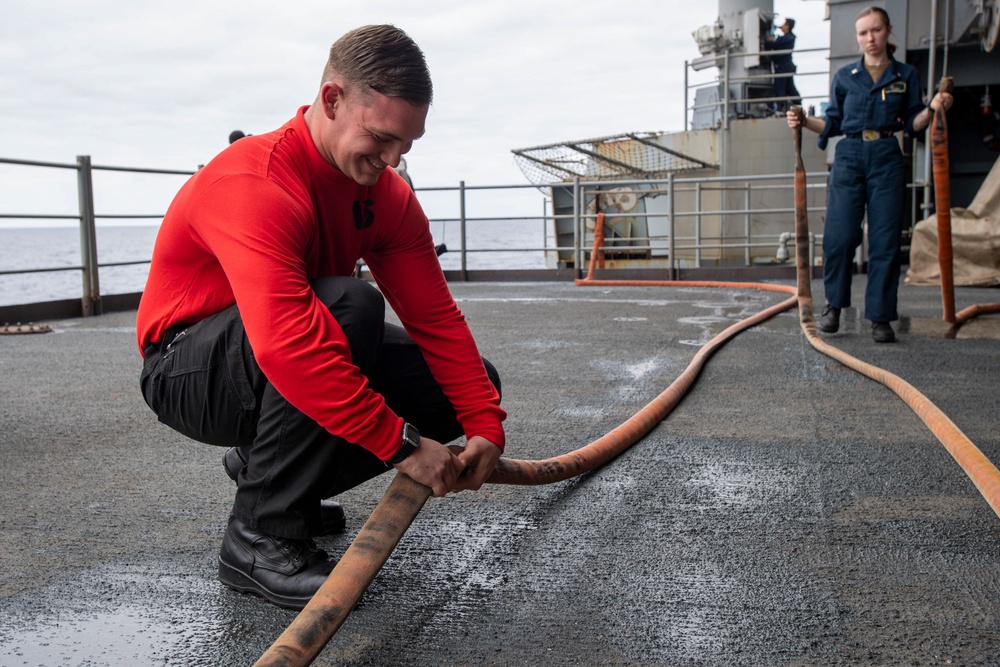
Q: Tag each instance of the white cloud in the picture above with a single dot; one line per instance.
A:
(161, 84)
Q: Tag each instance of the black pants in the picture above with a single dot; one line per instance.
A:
(203, 381)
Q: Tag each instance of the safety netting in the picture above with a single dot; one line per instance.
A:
(631, 155)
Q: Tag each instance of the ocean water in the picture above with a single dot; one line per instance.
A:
(46, 247)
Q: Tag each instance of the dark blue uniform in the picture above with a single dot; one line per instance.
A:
(868, 173)
(784, 86)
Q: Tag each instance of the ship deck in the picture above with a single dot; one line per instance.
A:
(789, 511)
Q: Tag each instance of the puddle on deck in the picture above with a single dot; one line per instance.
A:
(136, 614)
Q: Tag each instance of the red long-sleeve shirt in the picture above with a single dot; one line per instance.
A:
(268, 215)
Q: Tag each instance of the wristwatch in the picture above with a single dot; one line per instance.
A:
(411, 440)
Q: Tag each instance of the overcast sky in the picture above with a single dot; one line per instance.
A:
(162, 84)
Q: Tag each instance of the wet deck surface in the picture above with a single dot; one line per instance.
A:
(789, 512)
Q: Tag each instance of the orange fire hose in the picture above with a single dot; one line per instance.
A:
(597, 255)
(316, 624)
(973, 462)
(967, 314)
(942, 198)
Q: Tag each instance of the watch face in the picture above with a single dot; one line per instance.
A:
(411, 437)
(410, 441)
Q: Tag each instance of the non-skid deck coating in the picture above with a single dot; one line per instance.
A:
(789, 512)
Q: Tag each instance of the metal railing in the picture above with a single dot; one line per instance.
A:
(683, 245)
(87, 217)
(728, 104)
(687, 249)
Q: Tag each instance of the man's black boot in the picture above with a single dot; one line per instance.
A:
(331, 514)
(285, 571)
(829, 321)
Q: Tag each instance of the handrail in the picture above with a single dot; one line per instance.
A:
(725, 79)
(583, 194)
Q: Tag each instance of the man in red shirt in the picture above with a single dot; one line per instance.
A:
(256, 337)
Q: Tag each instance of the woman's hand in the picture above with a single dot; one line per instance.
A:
(796, 118)
(941, 101)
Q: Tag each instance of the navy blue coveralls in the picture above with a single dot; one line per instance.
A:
(868, 173)
(784, 86)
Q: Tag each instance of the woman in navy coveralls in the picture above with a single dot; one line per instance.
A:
(870, 101)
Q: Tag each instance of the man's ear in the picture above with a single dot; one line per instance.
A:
(332, 96)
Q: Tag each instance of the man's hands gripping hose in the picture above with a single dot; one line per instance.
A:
(445, 469)
(478, 459)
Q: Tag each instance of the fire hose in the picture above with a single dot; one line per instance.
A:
(942, 196)
(316, 624)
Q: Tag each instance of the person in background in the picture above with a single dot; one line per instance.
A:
(255, 336)
(782, 65)
(401, 170)
(871, 100)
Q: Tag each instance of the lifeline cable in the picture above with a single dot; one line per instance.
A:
(316, 624)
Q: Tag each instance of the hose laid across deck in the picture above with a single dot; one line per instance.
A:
(607, 447)
(973, 462)
(316, 624)
(320, 619)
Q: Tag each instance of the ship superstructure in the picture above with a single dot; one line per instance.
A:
(698, 198)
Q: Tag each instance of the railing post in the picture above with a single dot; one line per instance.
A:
(545, 228)
(812, 253)
(723, 137)
(578, 233)
(91, 300)
(929, 204)
(725, 92)
(670, 227)
(686, 92)
(462, 230)
(746, 224)
(697, 225)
